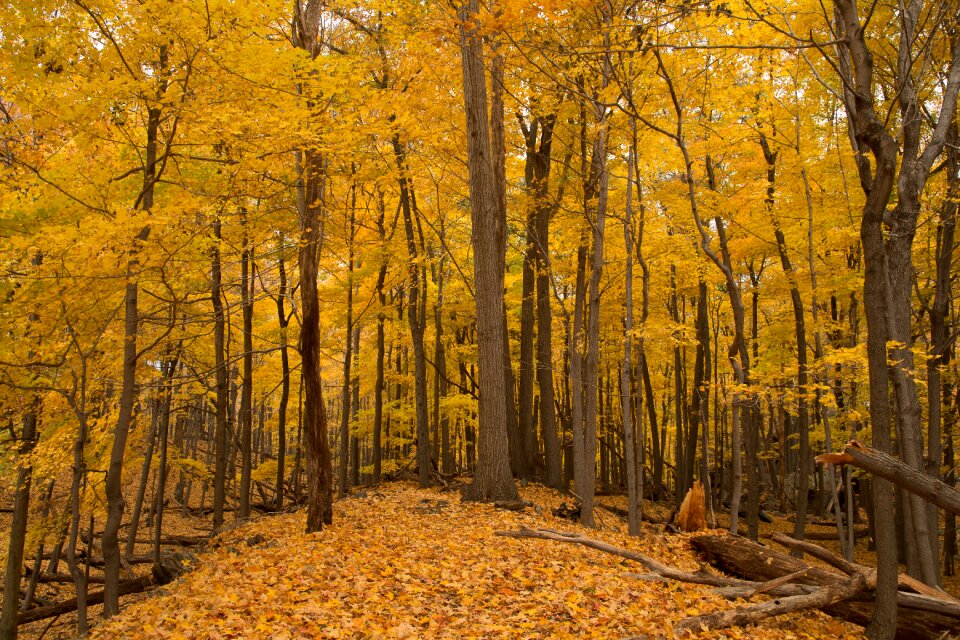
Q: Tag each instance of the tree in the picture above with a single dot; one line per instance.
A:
(492, 480)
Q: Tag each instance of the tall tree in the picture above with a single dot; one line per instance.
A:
(311, 198)
(492, 479)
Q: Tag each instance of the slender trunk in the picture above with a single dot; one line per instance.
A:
(355, 409)
(415, 318)
(284, 321)
(344, 461)
(445, 457)
(166, 405)
(144, 479)
(939, 330)
(246, 389)
(18, 528)
(381, 345)
(222, 388)
(626, 366)
(799, 323)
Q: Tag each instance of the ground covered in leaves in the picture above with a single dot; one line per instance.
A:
(400, 562)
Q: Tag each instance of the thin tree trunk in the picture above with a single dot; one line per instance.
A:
(626, 367)
(344, 461)
(222, 388)
(284, 321)
(246, 388)
(113, 484)
(18, 528)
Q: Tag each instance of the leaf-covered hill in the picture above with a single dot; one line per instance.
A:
(406, 563)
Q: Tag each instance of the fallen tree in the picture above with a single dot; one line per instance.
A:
(919, 616)
(899, 473)
(170, 567)
(137, 585)
(795, 585)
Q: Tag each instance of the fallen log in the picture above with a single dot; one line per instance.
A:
(897, 472)
(919, 617)
(754, 613)
(850, 568)
(137, 585)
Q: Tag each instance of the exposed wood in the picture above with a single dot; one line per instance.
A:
(771, 585)
(692, 515)
(897, 472)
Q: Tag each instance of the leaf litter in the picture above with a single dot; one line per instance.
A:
(405, 563)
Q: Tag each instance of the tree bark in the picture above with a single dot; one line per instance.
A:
(18, 528)
(222, 390)
(492, 479)
(311, 202)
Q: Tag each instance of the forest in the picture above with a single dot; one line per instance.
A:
(360, 318)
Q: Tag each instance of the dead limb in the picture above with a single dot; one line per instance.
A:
(919, 616)
(754, 613)
(666, 571)
(850, 568)
(897, 472)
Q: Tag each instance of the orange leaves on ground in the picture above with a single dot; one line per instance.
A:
(405, 563)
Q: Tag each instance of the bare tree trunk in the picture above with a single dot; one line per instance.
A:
(311, 201)
(344, 461)
(800, 331)
(222, 388)
(113, 483)
(144, 479)
(415, 318)
(939, 339)
(284, 320)
(626, 367)
(492, 480)
(18, 528)
(246, 388)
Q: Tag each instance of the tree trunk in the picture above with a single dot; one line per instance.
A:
(634, 503)
(113, 483)
(311, 201)
(344, 461)
(415, 318)
(18, 528)
(284, 321)
(492, 479)
(222, 389)
(246, 388)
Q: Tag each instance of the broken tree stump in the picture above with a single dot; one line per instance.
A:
(693, 512)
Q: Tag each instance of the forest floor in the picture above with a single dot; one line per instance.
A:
(400, 562)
